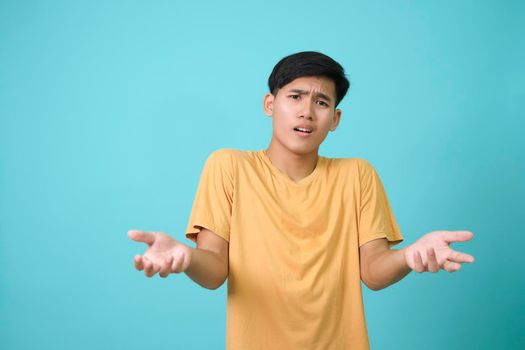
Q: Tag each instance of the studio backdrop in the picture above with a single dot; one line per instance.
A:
(109, 109)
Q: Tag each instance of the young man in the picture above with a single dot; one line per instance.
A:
(295, 232)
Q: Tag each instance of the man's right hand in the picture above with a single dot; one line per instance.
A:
(164, 255)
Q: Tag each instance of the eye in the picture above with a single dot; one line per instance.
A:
(293, 96)
(324, 104)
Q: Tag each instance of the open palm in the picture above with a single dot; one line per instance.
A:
(164, 254)
(432, 252)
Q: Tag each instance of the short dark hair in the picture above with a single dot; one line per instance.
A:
(307, 64)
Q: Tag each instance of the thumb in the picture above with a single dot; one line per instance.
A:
(142, 236)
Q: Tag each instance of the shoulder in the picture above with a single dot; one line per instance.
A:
(360, 165)
(224, 155)
(232, 155)
(359, 169)
(228, 159)
(365, 166)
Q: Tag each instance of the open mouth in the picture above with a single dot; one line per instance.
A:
(305, 131)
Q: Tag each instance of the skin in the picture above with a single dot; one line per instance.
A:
(297, 157)
(382, 266)
(293, 155)
(207, 264)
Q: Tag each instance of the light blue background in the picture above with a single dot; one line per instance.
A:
(109, 110)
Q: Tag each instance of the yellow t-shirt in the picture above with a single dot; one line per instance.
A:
(294, 277)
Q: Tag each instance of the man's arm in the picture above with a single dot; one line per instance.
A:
(209, 264)
(381, 266)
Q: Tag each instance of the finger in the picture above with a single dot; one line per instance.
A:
(142, 236)
(156, 268)
(461, 257)
(433, 265)
(450, 266)
(139, 265)
(418, 262)
(457, 236)
(165, 269)
(152, 270)
(149, 268)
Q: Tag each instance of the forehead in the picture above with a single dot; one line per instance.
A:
(315, 84)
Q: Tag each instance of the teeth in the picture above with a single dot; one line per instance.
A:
(304, 130)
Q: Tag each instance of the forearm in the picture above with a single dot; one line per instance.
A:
(206, 269)
(385, 269)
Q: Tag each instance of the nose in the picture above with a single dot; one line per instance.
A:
(307, 110)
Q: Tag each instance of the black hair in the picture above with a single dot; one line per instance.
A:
(307, 64)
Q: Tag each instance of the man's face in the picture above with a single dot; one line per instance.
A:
(306, 102)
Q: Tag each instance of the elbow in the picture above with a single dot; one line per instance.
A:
(374, 287)
(371, 285)
(216, 285)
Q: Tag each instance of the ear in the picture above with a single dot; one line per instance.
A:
(268, 104)
(336, 119)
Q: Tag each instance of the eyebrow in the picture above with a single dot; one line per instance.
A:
(320, 94)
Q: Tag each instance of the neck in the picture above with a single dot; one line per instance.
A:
(295, 166)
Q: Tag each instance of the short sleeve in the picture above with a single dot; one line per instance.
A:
(376, 219)
(212, 205)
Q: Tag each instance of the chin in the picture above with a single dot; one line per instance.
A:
(303, 150)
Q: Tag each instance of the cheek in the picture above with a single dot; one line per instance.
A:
(283, 109)
(325, 126)
(328, 119)
(279, 126)
(282, 117)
